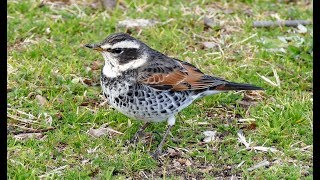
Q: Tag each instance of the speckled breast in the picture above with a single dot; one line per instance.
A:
(142, 102)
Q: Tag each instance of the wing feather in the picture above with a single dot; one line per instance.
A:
(182, 76)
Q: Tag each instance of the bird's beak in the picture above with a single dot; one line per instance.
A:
(94, 47)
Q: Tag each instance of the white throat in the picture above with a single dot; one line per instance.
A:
(112, 68)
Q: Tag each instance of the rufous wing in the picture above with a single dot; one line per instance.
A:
(180, 78)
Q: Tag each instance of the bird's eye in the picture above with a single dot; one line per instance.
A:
(116, 51)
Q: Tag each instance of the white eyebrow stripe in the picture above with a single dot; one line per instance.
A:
(106, 46)
(126, 44)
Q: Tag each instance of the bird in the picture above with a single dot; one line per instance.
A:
(147, 85)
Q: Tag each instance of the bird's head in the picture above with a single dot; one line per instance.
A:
(121, 52)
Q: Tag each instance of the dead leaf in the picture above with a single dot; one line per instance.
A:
(31, 95)
(176, 163)
(103, 130)
(254, 95)
(109, 4)
(59, 115)
(85, 161)
(209, 136)
(188, 163)
(209, 45)
(251, 126)
(209, 23)
(42, 100)
(184, 162)
(207, 169)
(136, 23)
(93, 150)
(87, 81)
(248, 12)
(48, 30)
(243, 140)
(86, 103)
(96, 65)
(54, 171)
(265, 149)
(228, 11)
(246, 103)
(48, 118)
(25, 136)
(240, 164)
(260, 164)
(302, 29)
(275, 74)
(61, 146)
(76, 80)
(173, 153)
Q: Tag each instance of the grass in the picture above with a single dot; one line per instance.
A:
(46, 58)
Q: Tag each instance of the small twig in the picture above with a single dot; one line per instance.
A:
(240, 164)
(292, 23)
(24, 120)
(244, 40)
(260, 164)
(32, 131)
(54, 171)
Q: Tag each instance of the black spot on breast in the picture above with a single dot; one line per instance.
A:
(129, 93)
(175, 98)
(163, 111)
(117, 100)
(136, 93)
(170, 106)
(121, 97)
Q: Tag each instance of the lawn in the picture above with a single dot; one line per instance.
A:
(53, 91)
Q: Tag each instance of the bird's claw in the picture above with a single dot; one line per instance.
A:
(155, 155)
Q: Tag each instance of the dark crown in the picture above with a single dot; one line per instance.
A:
(118, 37)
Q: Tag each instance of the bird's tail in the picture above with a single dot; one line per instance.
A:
(235, 86)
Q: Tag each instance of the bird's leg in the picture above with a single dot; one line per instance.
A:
(135, 138)
(171, 122)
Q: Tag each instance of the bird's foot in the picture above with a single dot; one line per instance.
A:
(139, 133)
(155, 155)
(136, 137)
